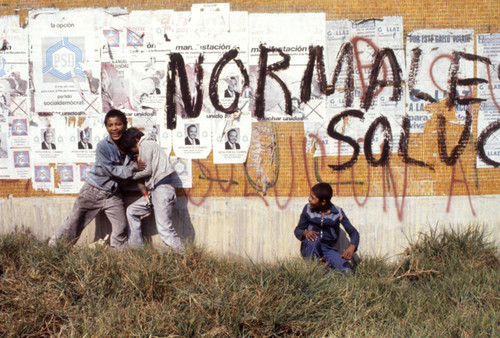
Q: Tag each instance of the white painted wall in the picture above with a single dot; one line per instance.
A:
(245, 227)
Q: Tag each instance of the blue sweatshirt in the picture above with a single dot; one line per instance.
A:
(329, 232)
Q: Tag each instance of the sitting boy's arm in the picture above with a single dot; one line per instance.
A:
(302, 226)
(353, 235)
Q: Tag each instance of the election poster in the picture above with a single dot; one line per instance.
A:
(431, 56)
(278, 55)
(488, 46)
(65, 52)
(14, 69)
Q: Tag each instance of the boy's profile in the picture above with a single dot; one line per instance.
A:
(318, 230)
(158, 180)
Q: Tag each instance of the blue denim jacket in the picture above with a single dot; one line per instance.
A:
(110, 167)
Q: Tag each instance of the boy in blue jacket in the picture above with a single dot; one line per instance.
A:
(318, 230)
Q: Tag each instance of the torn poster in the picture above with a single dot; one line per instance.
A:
(279, 52)
(488, 46)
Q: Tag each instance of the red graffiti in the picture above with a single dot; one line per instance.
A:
(367, 194)
(452, 184)
(399, 208)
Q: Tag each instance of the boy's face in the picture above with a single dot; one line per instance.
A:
(315, 203)
(115, 128)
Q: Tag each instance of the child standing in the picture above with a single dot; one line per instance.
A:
(318, 230)
(158, 181)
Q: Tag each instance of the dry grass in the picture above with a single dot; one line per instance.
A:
(447, 284)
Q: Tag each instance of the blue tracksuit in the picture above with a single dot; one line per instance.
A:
(328, 232)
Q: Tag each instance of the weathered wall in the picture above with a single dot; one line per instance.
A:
(228, 211)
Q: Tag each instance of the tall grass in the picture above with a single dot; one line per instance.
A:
(447, 284)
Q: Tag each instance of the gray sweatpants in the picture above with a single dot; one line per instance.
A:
(87, 205)
(163, 198)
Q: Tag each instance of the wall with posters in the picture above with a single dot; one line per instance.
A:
(395, 105)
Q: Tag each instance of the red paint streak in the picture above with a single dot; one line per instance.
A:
(204, 197)
(249, 194)
(282, 207)
(399, 208)
(361, 204)
(452, 184)
(360, 66)
(431, 70)
(304, 156)
(229, 184)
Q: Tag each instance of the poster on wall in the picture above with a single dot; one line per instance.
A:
(65, 52)
(183, 177)
(43, 177)
(5, 159)
(488, 45)
(21, 163)
(353, 51)
(231, 138)
(65, 180)
(49, 139)
(429, 55)
(14, 69)
(286, 37)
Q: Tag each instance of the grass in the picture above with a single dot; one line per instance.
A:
(446, 284)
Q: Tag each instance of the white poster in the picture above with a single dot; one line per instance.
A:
(22, 163)
(65, 51)
(488, 45)
(43, 177)
(65, 179)
(183, 177)
(429, 55)
(353, 51)
(288, 37)
(14, 69)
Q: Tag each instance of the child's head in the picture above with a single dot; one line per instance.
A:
(130, 139)
(320, 197)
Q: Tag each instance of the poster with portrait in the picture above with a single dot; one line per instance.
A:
(488, 45)
(49, 137)
(429, 55)
(14, 69)
(287, 37)
(231, 138)
(83, 135)
(192, 138)
(65, 51)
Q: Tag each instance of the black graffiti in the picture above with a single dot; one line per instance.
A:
(346, 56)
(349, 140)
(453, 98)
(404, 145)
(396, 83)
(483, 139)
(264, 71)
(416, 53)
(383, 122)
(192, 107)
(461, 144)
(213, 88)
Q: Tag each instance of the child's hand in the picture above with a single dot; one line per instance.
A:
(349, 252)
(310, 235)
(140, 165)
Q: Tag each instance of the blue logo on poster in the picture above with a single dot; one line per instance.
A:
(134, 39)
(42, 174)
(66, 174)
(63, 60)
